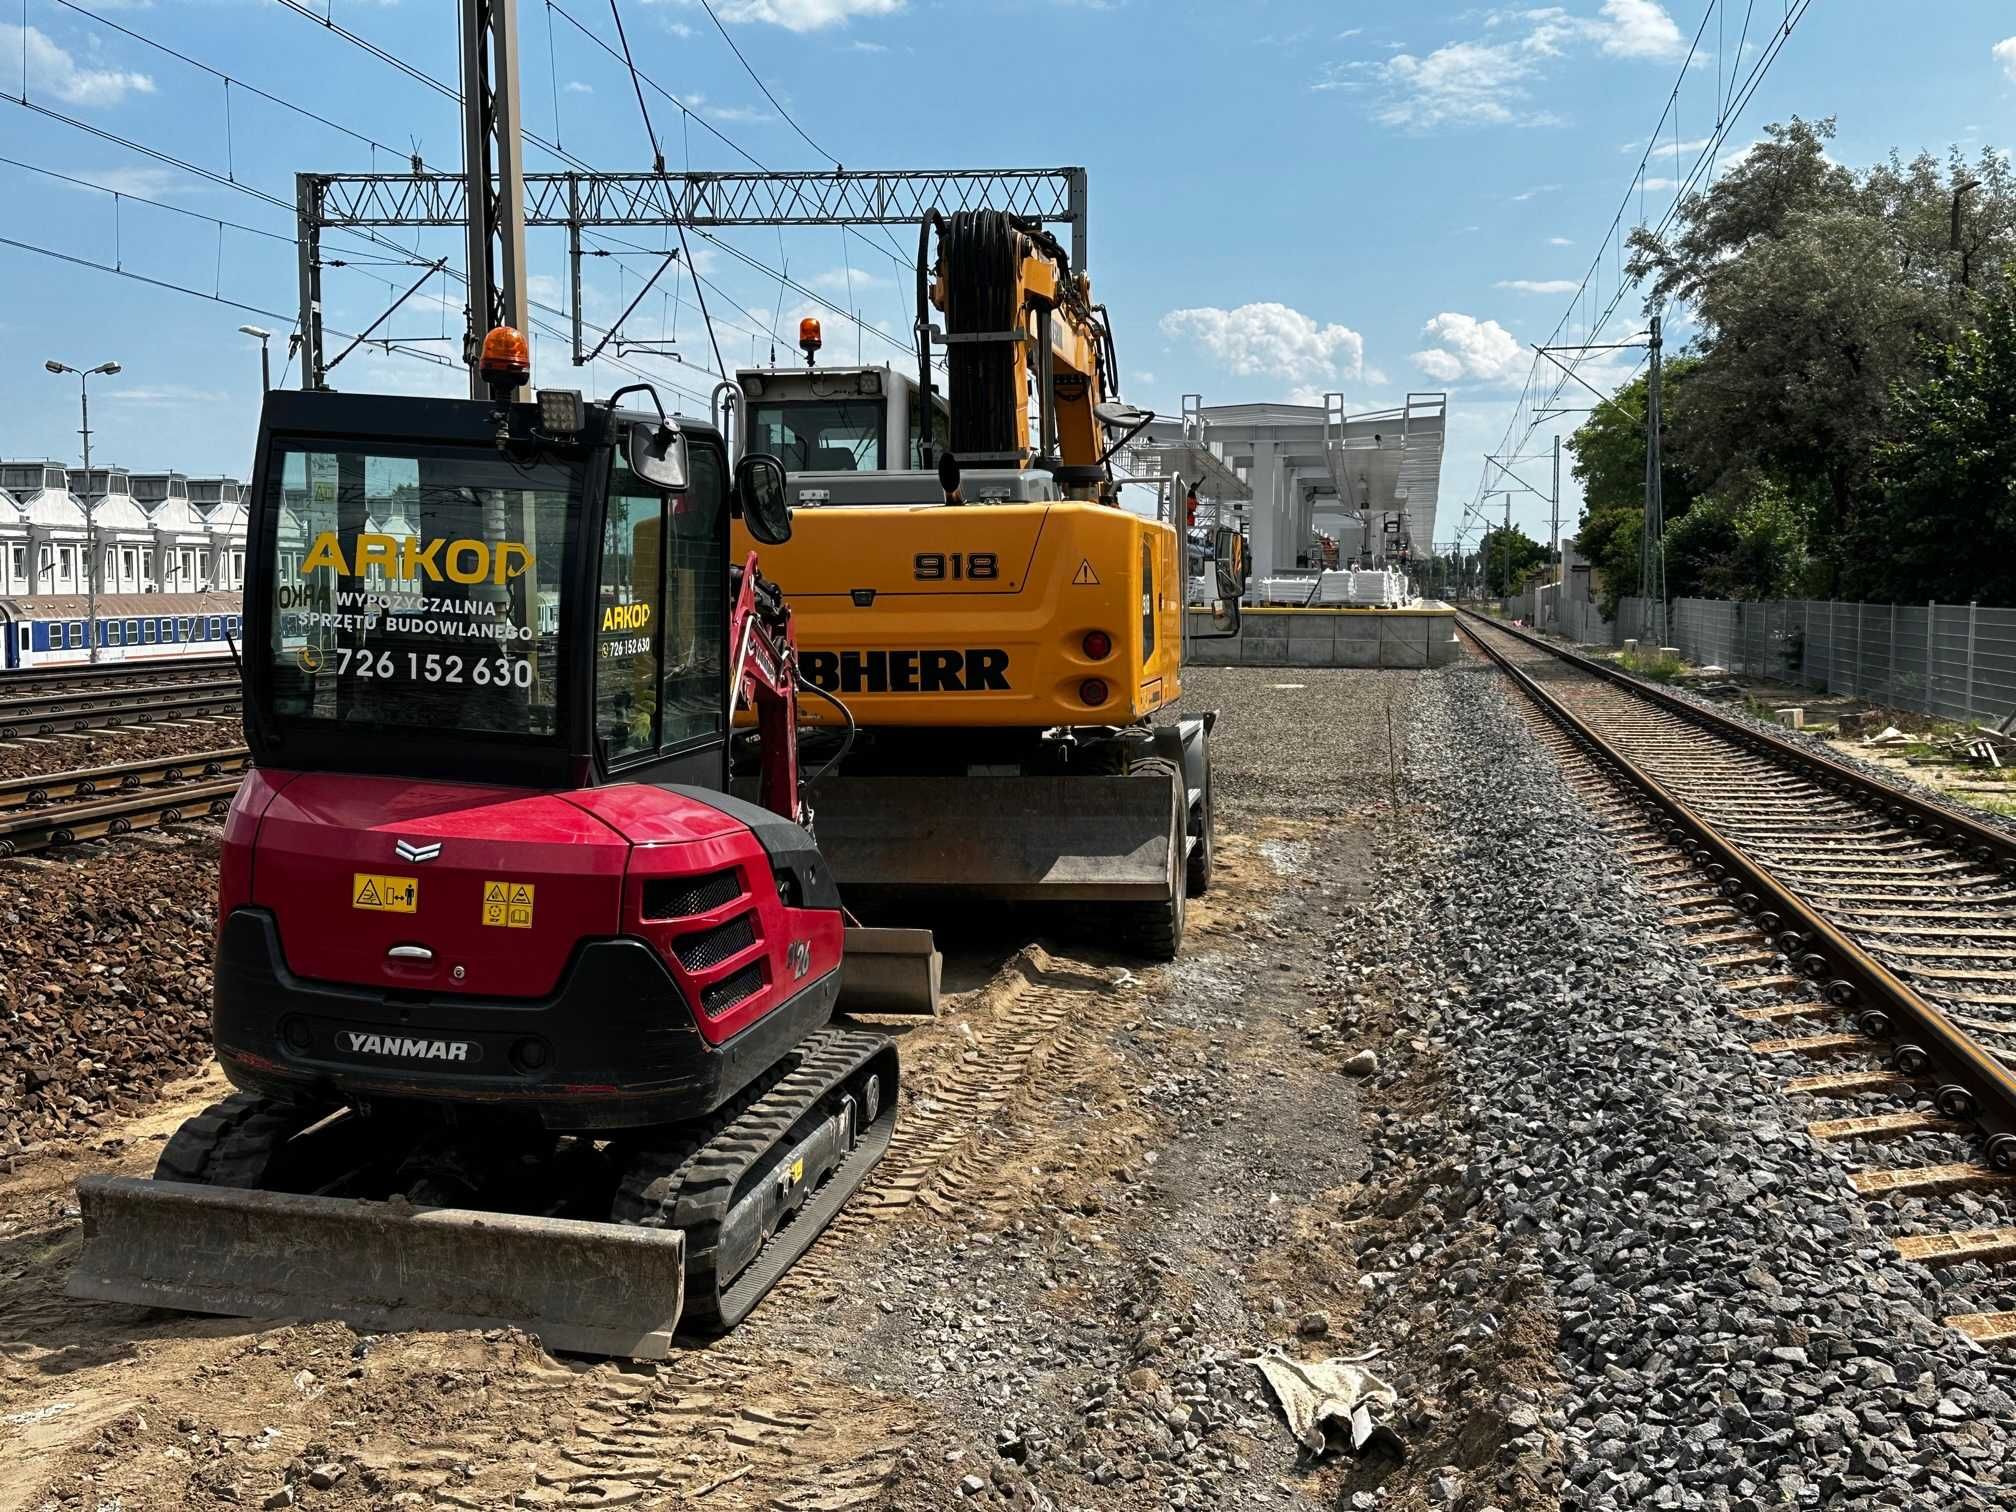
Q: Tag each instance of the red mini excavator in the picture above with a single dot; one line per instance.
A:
(528, 1016)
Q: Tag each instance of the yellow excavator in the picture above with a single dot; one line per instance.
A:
(1003, 632)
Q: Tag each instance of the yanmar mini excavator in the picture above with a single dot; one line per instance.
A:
(529, 1016)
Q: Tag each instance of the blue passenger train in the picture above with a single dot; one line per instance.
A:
(57, 630)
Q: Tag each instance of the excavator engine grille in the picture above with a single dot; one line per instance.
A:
(729, 991)
(697, 952)
(677, 897)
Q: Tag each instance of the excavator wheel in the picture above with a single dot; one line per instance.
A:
(1155, 930)
(1197, 875)
(239, 1142)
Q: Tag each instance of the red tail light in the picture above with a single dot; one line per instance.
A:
(1098, 645)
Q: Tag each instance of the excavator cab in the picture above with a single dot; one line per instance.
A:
(517, 997)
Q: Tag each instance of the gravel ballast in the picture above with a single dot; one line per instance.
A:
(1735, 1329)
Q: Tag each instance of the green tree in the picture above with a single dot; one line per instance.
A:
(1814, 292)
(1751, 547)
(1944, 524)
(1509, 560)
(1609, 452)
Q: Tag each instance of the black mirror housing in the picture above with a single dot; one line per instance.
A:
(760, 498)
(657, 454)
(948, 477)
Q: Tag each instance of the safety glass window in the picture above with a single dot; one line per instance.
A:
(629, 620)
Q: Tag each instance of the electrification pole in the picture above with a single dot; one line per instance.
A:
(493, 153)
(1560, 568)
(1652, 549)
(84, 377)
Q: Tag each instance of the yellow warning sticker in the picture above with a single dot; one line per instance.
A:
(508, 905)
(1086, 577)
(383, 894)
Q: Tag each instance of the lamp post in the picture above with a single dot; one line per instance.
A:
(84, 377)
(265, 360)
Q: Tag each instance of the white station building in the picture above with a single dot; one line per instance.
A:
(153, 532)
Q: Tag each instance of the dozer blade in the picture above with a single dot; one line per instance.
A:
(1015, 839)
(890, 971)
(593, 1288)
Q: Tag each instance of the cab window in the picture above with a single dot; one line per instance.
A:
(659, 654)
(629, 623)
(1147, 598)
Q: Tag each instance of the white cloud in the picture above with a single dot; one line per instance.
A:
(804, 15)
(837, 280)
(576, 86)
(745, 113)
(139, 182)
(52, 71)
(1470, 349)
(1559, 241)
(1539, 285)
(2004, 52)
(1271, 340)
(165, 394)
(1639, 29)
(1486, 81)
(866, 47)
(1660, 185)
(1465, 84)
(1538, 189)
(1144, 376)
(543, 286)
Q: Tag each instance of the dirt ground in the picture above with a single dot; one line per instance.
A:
(1110, 1186)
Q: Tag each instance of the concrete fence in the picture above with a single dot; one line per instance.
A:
(1951, 661)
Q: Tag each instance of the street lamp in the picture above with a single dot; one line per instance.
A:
(265, 362)
(84, 377)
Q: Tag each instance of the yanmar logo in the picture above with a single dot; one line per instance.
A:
(971, 671)
(404, 1047)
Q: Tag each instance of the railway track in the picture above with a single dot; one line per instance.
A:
(98, 708)
(164, 670)
(125, 778)
(1862, 926)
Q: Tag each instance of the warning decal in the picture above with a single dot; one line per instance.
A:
(1086, 577)
(380, 894)
(508, 905)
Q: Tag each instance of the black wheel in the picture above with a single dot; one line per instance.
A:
(1197, 875)
(1155, 930)
(239, 1142)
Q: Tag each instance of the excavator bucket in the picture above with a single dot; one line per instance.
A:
(890, 971)
(1073, 839)
(592, 1288)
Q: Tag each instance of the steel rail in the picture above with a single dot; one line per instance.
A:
(31, 717)
(29, 830)
(124, 777)
(27, 678)
(1980, 842)
(83, 698)
(1853, 979)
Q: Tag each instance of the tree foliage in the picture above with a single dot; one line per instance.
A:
(1943, 523)
(1509, 560)
(1835, 330)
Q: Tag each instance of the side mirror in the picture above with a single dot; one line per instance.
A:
(759, 498)
(1230, 549)
(948, 477)
(657, 454)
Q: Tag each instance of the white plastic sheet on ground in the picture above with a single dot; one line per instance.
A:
(1331, 1403)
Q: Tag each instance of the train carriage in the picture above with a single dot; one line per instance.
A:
(56, 630)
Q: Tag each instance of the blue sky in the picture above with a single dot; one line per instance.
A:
(1287, 197)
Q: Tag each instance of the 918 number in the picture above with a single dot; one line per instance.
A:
(959, 566)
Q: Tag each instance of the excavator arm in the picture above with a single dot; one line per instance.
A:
(1018, 317)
